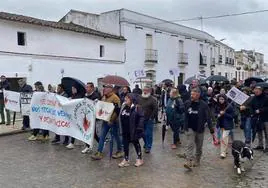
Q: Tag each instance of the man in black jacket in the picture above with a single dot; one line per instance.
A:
(24, 88)
(91, 94)
(196, 118)
(4, 85)
(259, 106)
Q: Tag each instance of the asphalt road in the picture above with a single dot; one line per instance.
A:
(27, 164)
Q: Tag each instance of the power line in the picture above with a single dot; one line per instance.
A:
(221, 16)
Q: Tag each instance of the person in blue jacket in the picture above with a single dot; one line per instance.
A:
(225, 114)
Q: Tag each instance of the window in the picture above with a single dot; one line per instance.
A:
(226, 75)
(101, 51)
(219, 73)
(21, 37)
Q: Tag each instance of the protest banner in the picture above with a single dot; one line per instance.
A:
(104, 110)
(237, 96)
(139, 74)
(174, 72)
(12, 100)
(25, 100)
(75, 118)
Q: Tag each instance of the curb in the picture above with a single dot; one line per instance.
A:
(13, 132)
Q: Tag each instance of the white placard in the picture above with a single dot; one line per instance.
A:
(12, 100)
(237, 96)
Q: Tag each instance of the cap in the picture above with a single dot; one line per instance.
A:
(108, 86)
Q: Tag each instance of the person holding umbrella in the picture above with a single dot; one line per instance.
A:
(196, 118)
(131, 121)
(174, 111)
(259, 106)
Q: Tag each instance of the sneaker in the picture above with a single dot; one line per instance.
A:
(147, 151)
(7, 124)
(97, 156)
(265, 150)
(196, 162)
(32, 138)
(46, 138)
(181, 155)
(124, 163)
(86, 150)
(65, 143)
(173, 146)
(139, 162)
(259, 148)
(39, 137)
(70, 146)
(55, 141)
(118, 154)
(188, 165)
(2, 123)
(223, 155)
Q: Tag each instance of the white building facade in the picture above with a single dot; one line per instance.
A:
(154, 45)
(46, 51)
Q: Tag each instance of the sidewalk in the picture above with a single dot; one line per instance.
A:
(11, 129)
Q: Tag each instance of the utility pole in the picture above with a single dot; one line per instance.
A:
(201, 20)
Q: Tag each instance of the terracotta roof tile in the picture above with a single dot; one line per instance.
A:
(56, 25)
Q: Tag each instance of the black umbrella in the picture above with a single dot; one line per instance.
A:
(190, 80)
(262, 84)
(111, 143)
(164, 130)
(255, 124)
(251, 79)
(68, 82)
(217, 78)
(168, 82)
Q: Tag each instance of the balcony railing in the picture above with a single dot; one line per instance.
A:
(182, 58)
(203, 60)
(220, 59)
(151, 56)
(213, 62)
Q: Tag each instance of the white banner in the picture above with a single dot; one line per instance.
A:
(75, 118)
(237, 96)
(25, 100)
(104, 110)
(12, 100)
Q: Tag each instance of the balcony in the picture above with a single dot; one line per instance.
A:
(151, 56)
(182, 59)
(220, 59)
(213, 62)
(203, 60)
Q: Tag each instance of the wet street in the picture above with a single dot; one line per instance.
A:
(35, 164)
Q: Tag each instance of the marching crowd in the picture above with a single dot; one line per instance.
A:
(187, 111)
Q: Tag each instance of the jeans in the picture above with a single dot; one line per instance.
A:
(260, 135)
(114, 133)
(137, 146)
(148, 136)
(225, 141)
(194, 139)
(176, 132)
(2, 112)
(246, 124)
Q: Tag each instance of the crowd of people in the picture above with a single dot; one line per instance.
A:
(187, 111)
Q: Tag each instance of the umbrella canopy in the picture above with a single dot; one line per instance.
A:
(251, 79)
(167, 82)
(262, 84)
(115, 80)
(189, 80)
(143, 80)
(217, 78)
(68, 82)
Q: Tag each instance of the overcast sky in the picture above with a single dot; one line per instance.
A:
(247, 31)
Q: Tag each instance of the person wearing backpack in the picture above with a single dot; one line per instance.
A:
(175, 113)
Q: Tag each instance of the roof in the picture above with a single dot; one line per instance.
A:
(56, 25)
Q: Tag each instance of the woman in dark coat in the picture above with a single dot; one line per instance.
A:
(131, 120)
(225, 115)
